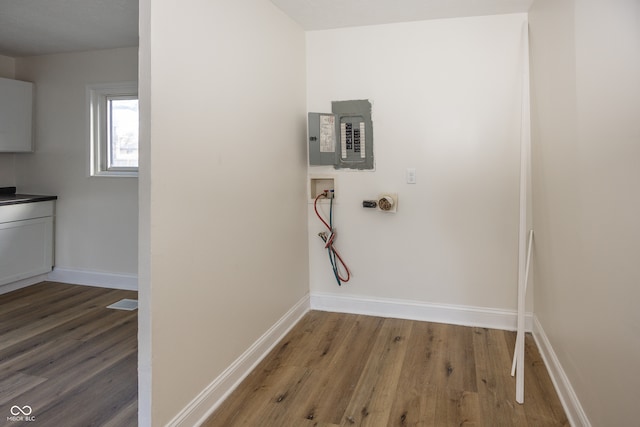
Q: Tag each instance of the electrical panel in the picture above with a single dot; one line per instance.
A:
(342, 138)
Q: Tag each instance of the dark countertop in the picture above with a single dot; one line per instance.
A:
(8, 196)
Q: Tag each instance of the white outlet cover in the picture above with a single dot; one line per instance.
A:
(411, 175)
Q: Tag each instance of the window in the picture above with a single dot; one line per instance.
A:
(113, 129)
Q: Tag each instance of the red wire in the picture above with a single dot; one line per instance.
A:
(315, 208)
(344, 280)
(329, 242)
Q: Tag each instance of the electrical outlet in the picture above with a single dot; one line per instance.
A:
(411, 175)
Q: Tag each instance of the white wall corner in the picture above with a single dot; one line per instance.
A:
(572, 407)
(200, 408)
(423, 311)
(128, 282)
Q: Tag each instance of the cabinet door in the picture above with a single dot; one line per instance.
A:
(16, 120)
(26, 249)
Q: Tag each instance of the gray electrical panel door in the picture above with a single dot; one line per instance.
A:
(322, 139)
(343, 138)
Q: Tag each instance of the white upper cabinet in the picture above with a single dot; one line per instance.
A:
(16, 116)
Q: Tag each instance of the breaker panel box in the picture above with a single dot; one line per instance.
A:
(344, 137)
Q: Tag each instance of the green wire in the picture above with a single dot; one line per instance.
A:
(332, 256)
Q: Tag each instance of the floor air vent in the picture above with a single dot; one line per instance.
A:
(125, 304)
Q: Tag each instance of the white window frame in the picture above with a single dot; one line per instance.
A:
(98, 96)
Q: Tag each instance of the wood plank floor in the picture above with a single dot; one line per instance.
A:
(68, 357)
(349, 370)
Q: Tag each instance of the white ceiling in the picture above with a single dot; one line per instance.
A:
(38, 27)
(325, 14)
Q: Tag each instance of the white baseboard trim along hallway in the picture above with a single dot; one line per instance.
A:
(200, 408)
(414, 310)
(127, 282)
(572, 407)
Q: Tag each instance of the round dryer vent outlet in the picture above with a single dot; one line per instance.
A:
(388, 202)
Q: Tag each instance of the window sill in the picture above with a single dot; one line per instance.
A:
(116, 174)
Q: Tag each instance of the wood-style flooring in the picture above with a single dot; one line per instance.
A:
(350, 370)
(74, 363)
(68, 357)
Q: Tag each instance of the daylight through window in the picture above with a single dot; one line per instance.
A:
(113, 129)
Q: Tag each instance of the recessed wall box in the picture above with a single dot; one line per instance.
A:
(318, 185)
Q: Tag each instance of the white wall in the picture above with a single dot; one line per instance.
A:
(7, 67)
(7, 170)
(96, 218)
(446, 101)
(144, 216)
(225, 180)
(585, 68)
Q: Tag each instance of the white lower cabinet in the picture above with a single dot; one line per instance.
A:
(26, 240)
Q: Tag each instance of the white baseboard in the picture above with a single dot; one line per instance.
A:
(94, 278)
(200, 408)
(14, 286)
(572, 407)
(414, 310)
